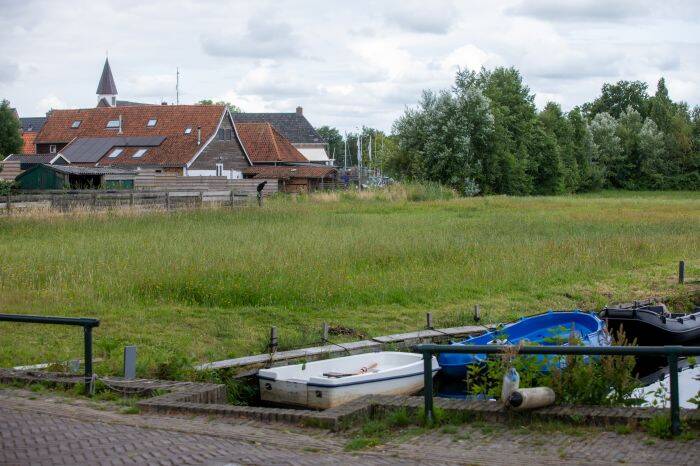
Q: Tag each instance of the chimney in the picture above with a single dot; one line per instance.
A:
(164, 103)
(300, 111)
(199, 135)
(120, 124)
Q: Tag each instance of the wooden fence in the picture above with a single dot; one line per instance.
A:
(10, 170)
(237, 193)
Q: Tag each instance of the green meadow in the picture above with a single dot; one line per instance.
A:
(206, 285)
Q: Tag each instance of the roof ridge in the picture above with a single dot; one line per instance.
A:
(274, 142)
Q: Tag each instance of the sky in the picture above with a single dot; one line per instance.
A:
(347, 63)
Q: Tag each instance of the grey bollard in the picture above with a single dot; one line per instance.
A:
(129, 362)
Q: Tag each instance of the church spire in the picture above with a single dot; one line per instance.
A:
(106, 89)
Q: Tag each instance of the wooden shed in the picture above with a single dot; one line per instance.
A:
(45, 176)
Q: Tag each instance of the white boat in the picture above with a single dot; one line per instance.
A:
(332, 382)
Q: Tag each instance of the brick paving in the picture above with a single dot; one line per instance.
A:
(54, 430)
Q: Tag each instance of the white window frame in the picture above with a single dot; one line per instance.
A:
(140, 153)
(52, 148)
(76, 124)
(219, 169)
(113, 124)
(188, 130)
(115, 153)
(155, 122)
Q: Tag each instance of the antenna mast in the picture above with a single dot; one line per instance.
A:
(177, 86)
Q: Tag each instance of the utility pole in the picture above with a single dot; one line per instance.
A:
(345, 152)
(359, 161)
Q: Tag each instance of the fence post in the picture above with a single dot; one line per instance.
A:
(429, 320)
(231, 196)
(8, 203)
(477, 313)
(428, 386)
(167, 200)
(273, 339)
(94, 200)
(131, 199)
(681, 272)
(87, 335)
(325, 333)
(201, 198)
(675, 406)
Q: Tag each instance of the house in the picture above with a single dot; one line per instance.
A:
(273, 156)
(185, 140)
(190, 140)
(29, 127)
(44, 176)
(296, 129)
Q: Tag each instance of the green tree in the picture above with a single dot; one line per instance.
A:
(231, 108)
(335, 142)
(10, 136)
(607, 148)
(617, 98)
(591, 172)
(546, 168)
(652, 163)
(629, 126)
(557, 125)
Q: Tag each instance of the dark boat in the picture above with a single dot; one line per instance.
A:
(650, 324)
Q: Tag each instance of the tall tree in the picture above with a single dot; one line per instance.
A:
(616, 98)
(231, 107)
(608, 148)
(10, 136)
(557, 125)
(335, 142)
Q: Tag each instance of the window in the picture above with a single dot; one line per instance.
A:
(76, 124)
(228, 134)
(52, 148)
(188, 130)
(219, 169)
(151, 123)
(113, 124)
(139, 153)
(220, 134)
(115, 153)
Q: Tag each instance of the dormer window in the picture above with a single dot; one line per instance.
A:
(115, 153)
(139, 153)
(113, 124)
(76, 124)
(151, 123)
(188, 130)
(52, 148)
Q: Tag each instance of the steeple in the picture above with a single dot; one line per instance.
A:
(106, 89)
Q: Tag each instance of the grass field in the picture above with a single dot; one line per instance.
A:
(206, 285)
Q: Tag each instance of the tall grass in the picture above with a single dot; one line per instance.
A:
(202, 285)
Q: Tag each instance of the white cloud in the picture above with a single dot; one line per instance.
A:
(434, 17)
(346, 63)
(49, 102)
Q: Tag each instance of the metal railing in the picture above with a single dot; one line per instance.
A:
(87, 324)
(670, 352)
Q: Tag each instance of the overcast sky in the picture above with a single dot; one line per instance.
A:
(347, 63)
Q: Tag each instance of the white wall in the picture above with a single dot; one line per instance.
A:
(230, 174)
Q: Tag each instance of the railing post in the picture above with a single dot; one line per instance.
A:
(681, 272)
(428, 386)
(87, 334)
(675, 406)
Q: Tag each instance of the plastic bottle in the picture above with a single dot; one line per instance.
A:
(511, 382)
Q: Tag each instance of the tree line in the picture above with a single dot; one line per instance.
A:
(485, 135)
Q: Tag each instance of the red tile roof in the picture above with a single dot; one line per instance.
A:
(263, 144)
(28, 142)
(177, 149)
(293, 171)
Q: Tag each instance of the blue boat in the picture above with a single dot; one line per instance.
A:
(550, 328)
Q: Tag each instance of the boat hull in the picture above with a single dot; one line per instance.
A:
(549, 328)
(306, 385)
(651, 326)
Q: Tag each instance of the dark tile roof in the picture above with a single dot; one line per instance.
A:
(106, 85)
(73, 170)
(286, 172)
(31, 158)
(32, 124)
(91, 150)
(128, 103)
(293, 126)
(263, 143)
(176, 150)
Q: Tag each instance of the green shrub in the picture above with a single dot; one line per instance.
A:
(659, 426)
